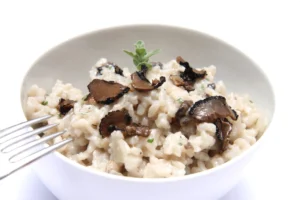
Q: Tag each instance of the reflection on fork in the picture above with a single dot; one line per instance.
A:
(11, 158)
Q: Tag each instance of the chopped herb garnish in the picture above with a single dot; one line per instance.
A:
(202, 87)
(110, 66)
(141, 57)
(150, 140)
(180, 143)
(44, 103)
(251, 101)
(180, 100)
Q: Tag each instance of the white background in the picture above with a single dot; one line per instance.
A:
(267, 31)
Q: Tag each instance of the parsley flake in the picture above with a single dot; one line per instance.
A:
(110, 66)
(44, 103)
(180, 100)
(202, 87)
(150, 140)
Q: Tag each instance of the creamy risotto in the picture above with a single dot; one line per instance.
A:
(164, 120)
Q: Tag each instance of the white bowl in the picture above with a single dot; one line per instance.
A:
(71, 62)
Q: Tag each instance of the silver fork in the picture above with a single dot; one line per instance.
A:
(11, 158)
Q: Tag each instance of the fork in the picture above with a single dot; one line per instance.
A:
(10, 153)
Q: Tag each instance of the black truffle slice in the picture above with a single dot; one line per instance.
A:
(106, 92)
(181, 112)
(65, 105)
(224, 128)
(188, 77)
(212, 108)
(142, 84)
(116, 120)
(118, 70)
(190, 74)
(121, 120)
(178, 81)
(182, 120)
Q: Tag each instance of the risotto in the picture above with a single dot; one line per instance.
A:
(164, 120)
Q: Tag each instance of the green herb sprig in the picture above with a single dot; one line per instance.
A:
(141, 56)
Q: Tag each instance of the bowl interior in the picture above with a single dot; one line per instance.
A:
(72, 60)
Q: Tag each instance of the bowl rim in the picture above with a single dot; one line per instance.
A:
(106, 175)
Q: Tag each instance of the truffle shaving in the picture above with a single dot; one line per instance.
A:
(182, 121)
(190, 74)
(122, 121)
(106, 92)
(142, 84)
(188, 77)
(115, 120)
(178, 81)
(223, 130)
(212, 108)
(181, 112)
(65, 105)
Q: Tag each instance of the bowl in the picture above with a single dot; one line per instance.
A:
(71, 61)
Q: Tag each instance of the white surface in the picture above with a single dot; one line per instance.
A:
(265, 30)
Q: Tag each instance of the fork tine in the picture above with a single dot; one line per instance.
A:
(29, 145)
(28, 134)
(33, 157)
(14, 128)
